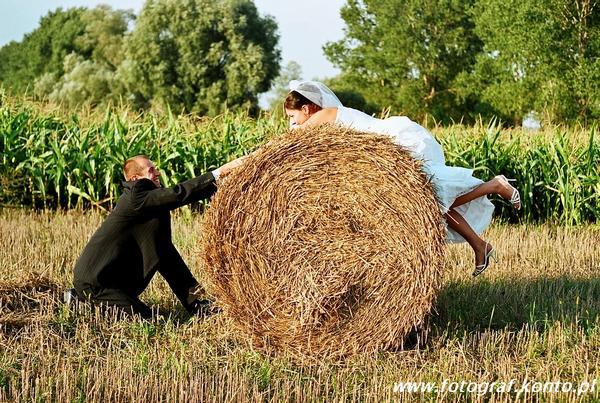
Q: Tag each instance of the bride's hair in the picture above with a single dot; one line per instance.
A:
(295, 101)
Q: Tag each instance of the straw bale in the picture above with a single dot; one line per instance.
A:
(326, 242)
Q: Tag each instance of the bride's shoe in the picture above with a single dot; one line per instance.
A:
(489, 254)
(515, 199)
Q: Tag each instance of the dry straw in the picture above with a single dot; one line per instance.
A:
(20, 302)
(327, 242)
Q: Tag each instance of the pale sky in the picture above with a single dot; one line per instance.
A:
(304, 25)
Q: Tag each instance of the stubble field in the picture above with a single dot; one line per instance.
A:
(533, 317)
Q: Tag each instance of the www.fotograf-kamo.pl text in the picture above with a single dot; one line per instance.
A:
(511, 386)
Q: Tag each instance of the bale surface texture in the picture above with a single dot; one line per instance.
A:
(326, 241)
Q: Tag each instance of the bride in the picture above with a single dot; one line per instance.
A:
(462, 197)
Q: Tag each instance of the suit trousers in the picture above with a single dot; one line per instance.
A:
(177, 275)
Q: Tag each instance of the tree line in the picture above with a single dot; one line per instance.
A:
(199, 56)
(452, 60)
(460, 59)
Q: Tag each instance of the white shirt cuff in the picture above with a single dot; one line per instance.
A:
(216, 173)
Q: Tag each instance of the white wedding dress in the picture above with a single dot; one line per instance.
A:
(449, 182)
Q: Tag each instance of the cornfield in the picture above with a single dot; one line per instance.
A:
(54, 160)
(556, 170)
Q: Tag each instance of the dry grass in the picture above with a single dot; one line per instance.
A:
(329, 242)
(533, 315)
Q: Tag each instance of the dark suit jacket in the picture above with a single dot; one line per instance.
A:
(135, 239)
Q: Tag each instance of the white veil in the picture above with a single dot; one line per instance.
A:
(316, 92)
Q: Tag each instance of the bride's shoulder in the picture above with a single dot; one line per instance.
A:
(325, 115)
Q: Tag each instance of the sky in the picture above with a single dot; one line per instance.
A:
(304, 25)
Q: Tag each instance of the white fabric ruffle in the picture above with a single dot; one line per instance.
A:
(448, 182)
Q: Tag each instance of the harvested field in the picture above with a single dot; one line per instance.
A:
(533, 315)
(30, 300)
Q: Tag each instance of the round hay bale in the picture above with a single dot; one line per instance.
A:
(326, 242)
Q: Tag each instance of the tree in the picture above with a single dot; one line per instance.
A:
(281, 85)
(41, 51)
(408, 54)
(201, 56)
(72, 57)
(103, 36)
(83, 82)
(89, 74)
(538, 54)
(349, 96)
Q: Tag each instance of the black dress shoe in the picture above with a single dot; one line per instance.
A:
(203, 308)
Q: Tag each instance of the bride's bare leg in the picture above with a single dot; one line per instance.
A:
(460, 225)
(494, 186)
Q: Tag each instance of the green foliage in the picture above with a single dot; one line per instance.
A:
(71, 58)
(102, 40)
(41, 51)
(541, 56)
(458, 60)
(406, 55)
(280, 87)
(190, 55)
(557, 171)
(51, 161)
(83, 81)
(202, 56)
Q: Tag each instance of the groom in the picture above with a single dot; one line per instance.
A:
(134, 242)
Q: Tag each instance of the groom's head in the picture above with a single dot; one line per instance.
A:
(140, 167)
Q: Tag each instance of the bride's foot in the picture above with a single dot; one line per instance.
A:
(507, 191)
(483, 255)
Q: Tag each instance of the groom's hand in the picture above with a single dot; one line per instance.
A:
(226, 169)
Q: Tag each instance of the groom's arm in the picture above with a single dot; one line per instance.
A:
(146, 195)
